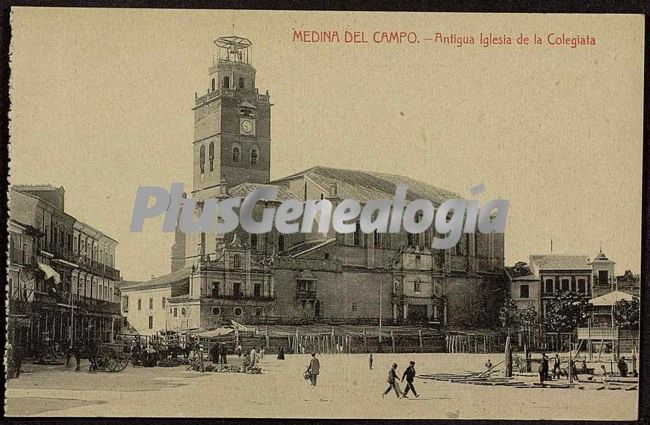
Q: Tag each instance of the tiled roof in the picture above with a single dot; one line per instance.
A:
(365, 185)
(520, 273)
(560, 262)
(245, 189)
(20, 187)
(178, 276)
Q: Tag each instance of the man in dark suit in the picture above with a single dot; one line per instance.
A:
(409, 373)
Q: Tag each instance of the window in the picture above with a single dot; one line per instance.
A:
(238, 311)
(254, 241)
(603, 277)
(241, 82)
(125, 303)
(582, 286)
(253, 156)
(213, 84)
(139, 304)
(183, 312)
(215, 289)
(236, 154)
(523, 291)
(202, 159)
(258, 311)
(150, 303)
(565, 284)
(236, 261)
(413, 239)
(216, 311)
(150, 322)
(162, 302)
(226, 82)
(416, 287)
(257, 290)
(281, 243)
(211, 155)
(175, 312)
(354, 306)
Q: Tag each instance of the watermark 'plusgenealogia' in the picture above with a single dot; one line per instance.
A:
(451, 219)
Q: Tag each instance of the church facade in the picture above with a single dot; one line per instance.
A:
(299, 278)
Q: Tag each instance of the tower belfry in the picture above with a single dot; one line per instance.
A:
(232, 136)
(232, 123)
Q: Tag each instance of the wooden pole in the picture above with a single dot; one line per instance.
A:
(508, 360)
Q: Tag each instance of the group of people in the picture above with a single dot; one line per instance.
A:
(393, 380)
(219, 353)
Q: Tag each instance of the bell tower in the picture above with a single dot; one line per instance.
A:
(232, 123)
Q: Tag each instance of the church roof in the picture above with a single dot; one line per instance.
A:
(367, 185)
(245, 189)
(305, 247)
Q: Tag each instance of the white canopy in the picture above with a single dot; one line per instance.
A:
(49, 272)
(611, 298)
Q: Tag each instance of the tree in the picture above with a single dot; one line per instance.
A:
(566, 312)
(509, 315)
(626, 313)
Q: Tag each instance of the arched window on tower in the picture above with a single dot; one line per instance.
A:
(253, 156)
(202, 159)
(236, 261)
(213, 84)
(236, 154)
(211, 153)
(241, 82)
(226, 82)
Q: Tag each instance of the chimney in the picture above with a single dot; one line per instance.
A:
(333, 190)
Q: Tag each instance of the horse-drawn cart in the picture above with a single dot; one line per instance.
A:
(103, 357)
(112, 357)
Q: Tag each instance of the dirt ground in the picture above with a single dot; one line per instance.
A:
(346, 389)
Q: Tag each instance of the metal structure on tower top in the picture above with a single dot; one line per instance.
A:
(233, 48)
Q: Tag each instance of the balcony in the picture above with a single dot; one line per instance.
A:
(305, 295)
(242, 297)
(62, 254)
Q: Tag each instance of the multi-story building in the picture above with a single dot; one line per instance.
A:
(66, 291)
(276, 277)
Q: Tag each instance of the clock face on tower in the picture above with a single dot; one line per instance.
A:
(247, 127)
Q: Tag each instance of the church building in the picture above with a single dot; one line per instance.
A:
(311, 278)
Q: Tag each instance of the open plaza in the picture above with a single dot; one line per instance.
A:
(346, 388)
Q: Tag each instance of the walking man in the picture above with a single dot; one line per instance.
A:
(557, 370)
(313, 369)
(370, 362)
(543, 368)
(409, 373)
(392, 382)
(223, 357)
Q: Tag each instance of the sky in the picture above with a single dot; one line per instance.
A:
(102, 104)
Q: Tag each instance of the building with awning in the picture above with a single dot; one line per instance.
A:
(602, 329)
(50, 273)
